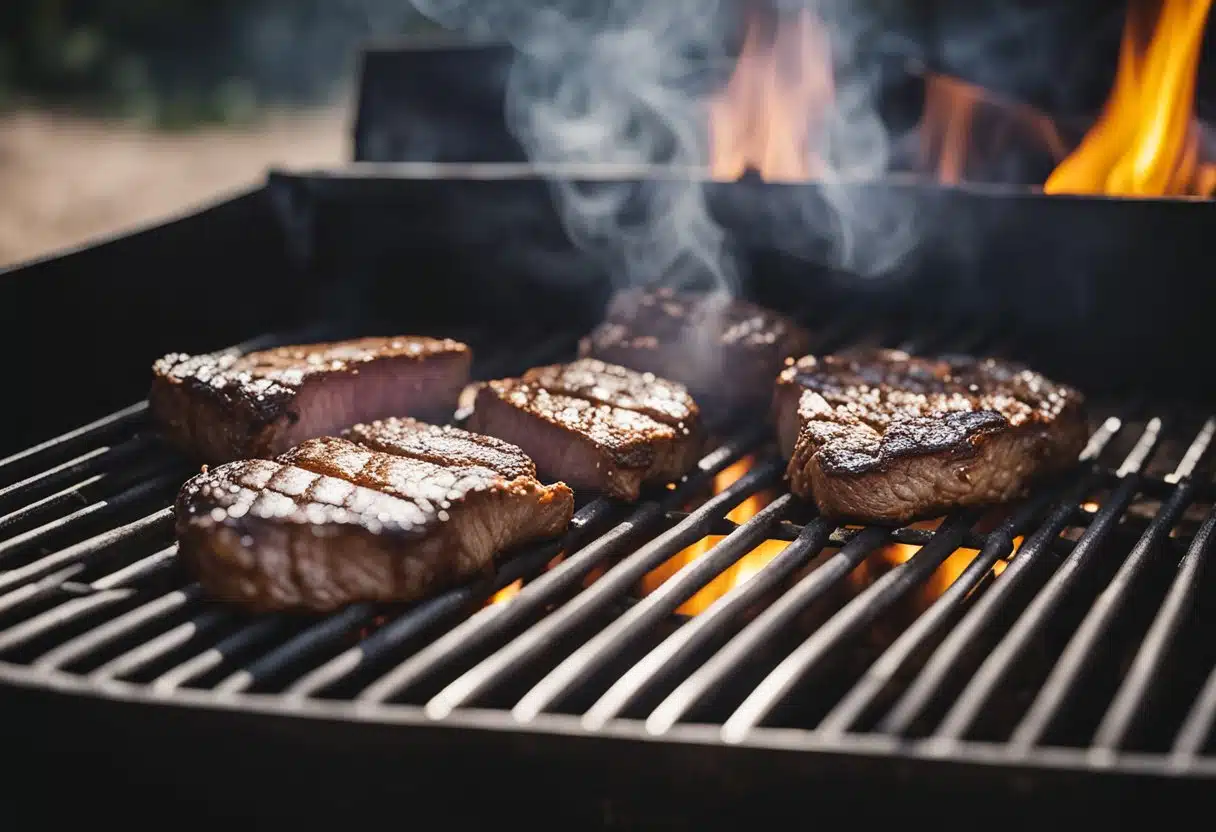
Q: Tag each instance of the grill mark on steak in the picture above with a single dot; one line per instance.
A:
(881, 436)
(602, 383)
(595, 426)
(226, 406)
(443, 445)
(698, 339)
(332, 522)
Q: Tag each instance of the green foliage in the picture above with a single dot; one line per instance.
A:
(178, 62)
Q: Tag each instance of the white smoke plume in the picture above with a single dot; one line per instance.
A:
(622, 84)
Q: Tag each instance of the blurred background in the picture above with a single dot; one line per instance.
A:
(115, 113)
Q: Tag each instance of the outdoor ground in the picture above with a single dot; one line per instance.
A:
(65, 180)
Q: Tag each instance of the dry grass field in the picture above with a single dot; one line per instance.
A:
(66, 180)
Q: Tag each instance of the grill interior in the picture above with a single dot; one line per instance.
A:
(1087, 651)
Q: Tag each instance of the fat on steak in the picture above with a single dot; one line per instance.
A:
(333, 522)
(226, 406)
(881, 436)
(725, 351)
(595, 425)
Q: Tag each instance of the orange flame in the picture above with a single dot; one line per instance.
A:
(737, 573)
(954, 566)
(956, 112)
(949, 111)
(511, 590)
(949, 571)
(506, 593)
(1146, 142)
(774, 104)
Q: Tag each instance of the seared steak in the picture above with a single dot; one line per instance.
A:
(228, 406)
(331, 523)
(443, 445)
(878, 435)
(595, 425)
(726, 352)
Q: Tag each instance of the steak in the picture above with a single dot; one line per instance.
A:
(443, 445)
(332, 522)
(595, 425)
(227, 406)
(699, 339)
(881, 436)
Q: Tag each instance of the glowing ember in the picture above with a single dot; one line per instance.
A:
(373, 625)
(506, 593)
(737, 573)
(1146, 142)
(955, 565)
(950, 569)
(772, 110)
(510, 591)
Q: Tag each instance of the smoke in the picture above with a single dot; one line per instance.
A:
(622, 84)
(844, 223)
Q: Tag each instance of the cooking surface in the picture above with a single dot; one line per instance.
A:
(845, 641)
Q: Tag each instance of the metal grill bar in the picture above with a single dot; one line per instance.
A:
(648, 612)
(1002, 658)
(88, 550)
(1075, 661)
(40, 590)
(549, 588)
(1128, 703)
(72, 495)
(947, 658)
(422, 618)
(855, 615)
(161, 560)
(104, 592)
(616, 582)
(675, 650)
(697, 687)
(1193, 735)
(21, 463)
(113, 588)
(137, 658)
(82, 646)
(787, 531)
(235, 644)
(317, 637)
(38, 485)
(141, 620)
(878, 676)
(22, 543)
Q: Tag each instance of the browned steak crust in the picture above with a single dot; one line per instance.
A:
(442, 445)
(699, 339)
(226, 406)
(595, 425)
(878, 435)
(331, 523)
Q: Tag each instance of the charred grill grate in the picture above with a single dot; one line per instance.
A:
(1086, 650)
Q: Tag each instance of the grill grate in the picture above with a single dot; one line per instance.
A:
(1063, 657)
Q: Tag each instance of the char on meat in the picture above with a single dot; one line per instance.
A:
(225, 406)
(333, 522)
(725, 351)
(595, 425)
(878, 435)
(442, 445)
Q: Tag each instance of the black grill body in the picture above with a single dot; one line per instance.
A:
(1076, 683)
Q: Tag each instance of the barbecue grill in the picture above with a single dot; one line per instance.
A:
(1067, 668)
